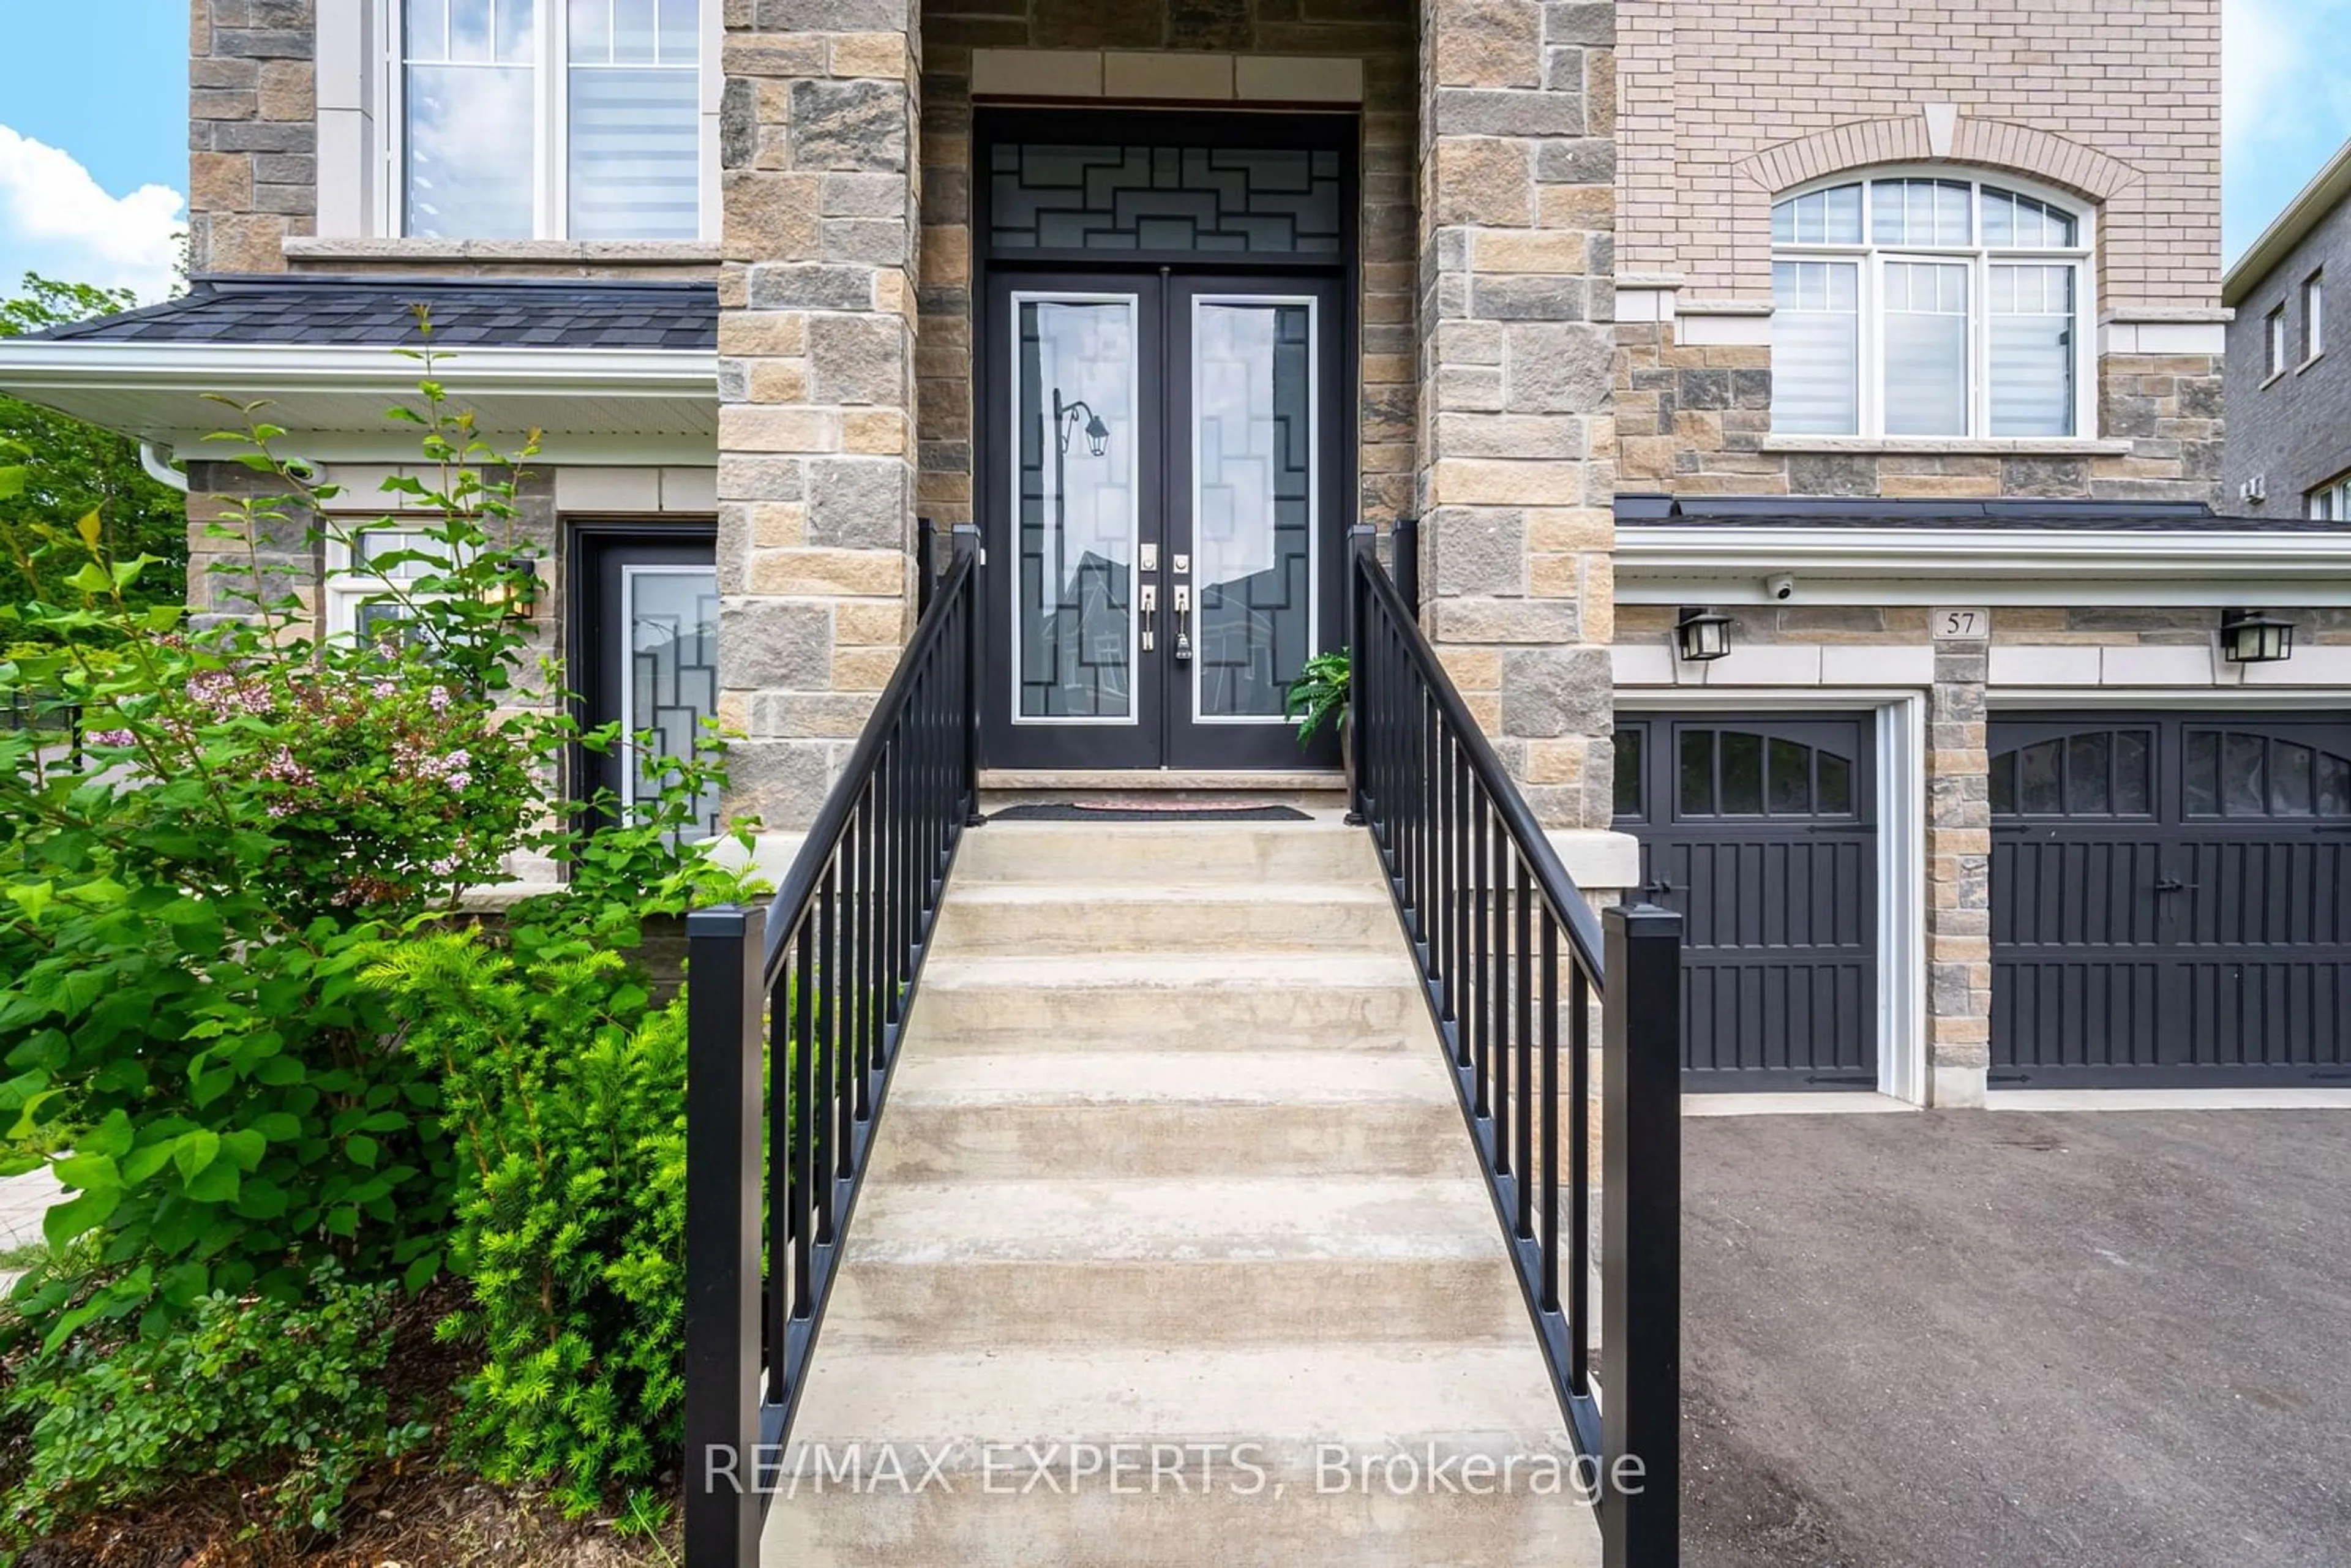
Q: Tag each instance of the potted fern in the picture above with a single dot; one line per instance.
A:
(1319, 696)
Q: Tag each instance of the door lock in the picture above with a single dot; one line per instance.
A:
(1148, 558)
(1149, 610)
(1183, 613)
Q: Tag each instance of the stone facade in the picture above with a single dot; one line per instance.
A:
(1696, 420)
(816, 343)
(252, 166)
(1153, 40)
(1515, 480)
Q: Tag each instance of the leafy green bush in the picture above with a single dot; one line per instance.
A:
(286, 1399)
(565, 1100)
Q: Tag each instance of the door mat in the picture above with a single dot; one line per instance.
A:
(1131, 811)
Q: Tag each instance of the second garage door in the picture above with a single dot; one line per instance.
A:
(1762, 830)
(2171, 900)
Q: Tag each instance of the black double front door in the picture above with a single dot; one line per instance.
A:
(1164, 501)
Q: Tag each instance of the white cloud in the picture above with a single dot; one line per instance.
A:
(56, 220)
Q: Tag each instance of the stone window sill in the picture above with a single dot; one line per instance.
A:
(1950, 446)
(2271, 380)
(2309, 362)
(665, 252)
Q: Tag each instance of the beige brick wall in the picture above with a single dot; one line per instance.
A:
(1726, 105)
(2119, 102)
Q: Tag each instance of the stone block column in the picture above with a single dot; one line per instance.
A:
(1959, 877)
(816, 336)
(1516, 463)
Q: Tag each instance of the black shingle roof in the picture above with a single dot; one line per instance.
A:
(1868, 512)
(518, 313)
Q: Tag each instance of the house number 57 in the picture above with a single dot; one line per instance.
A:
(1967, 623)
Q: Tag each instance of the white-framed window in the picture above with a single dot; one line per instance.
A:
(2273, 344)
(358, 571)
(2314, 317)
(2331, 502)
(1925, 305)
(546, 118)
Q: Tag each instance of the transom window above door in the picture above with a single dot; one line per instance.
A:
(548, 119)
(1918, 306)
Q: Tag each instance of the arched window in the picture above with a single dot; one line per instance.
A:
(1926, 306)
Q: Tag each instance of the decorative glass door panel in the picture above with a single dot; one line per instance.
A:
(1075, 507)
(644, 645)
(1253, 476)
(672, 683)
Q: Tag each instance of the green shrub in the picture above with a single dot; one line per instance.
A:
(564, 1099)
(286, 1399)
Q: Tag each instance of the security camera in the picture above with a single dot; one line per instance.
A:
(1782, 587)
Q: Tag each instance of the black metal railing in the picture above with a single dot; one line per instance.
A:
(794, 1014)
(1512, 959)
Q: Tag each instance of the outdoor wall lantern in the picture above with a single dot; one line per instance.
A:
(516, 593)
(2250, 637)
(1702, 634)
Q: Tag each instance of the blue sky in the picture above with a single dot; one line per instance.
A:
(93, 128)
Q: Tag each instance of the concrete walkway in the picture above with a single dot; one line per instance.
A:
(2105, 1339)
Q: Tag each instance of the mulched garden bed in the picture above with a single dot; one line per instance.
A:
(413, 1513)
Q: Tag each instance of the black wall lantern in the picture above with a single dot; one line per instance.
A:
(1702, 634)
(2250, 637)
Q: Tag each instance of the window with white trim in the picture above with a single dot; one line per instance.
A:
(2273, 344)
(1915, 305)
(548, 119)
(2314, 317)
(359, 569)
(2331, 502)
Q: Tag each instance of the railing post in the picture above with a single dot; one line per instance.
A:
(1641, 1188)
(1406, 546)
(926, 564)
(1362, 555)
(726, 949)
(966, 538)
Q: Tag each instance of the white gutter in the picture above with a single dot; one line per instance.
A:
(2022, 552)
(42, 364)
(157, 461)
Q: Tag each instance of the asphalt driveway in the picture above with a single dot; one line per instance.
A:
(2014, 1339)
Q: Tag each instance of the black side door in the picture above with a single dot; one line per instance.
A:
(643, 653)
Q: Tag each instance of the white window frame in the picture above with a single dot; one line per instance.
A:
(2274, 364)
(346, 587)
(1871, 259)
(550, 65)
(2314, 317)
(2330, 502)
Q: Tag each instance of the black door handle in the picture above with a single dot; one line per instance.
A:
(1658, 889)
(2172, 885)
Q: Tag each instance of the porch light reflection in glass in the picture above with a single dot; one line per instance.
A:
(1074, 507)
(1253, 445)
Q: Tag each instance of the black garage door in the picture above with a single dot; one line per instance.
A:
(2171, 900)
(1762, 831)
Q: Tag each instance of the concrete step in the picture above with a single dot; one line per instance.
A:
(1127, 853)
(1224, 1002)
(1170, 1114)
(1037, 920)
(1217, 1261)
(1272, 1445)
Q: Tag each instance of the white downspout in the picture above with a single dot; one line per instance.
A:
(158, 463)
